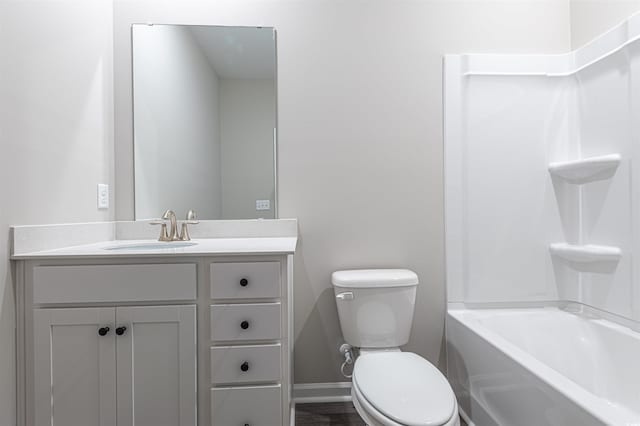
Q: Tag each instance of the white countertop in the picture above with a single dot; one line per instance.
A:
(203, 247)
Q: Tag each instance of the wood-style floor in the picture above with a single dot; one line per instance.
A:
(331, 413)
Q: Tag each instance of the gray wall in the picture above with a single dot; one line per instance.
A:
(360, 130)
(56, 132)
(590, 18)
(360, 135)
(247, 119)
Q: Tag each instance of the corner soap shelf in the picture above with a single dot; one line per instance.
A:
(587, 169)
(583, 257)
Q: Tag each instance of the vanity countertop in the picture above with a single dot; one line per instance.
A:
(152, 248)
(111, 240)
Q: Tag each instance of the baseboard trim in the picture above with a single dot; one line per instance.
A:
(465, 417)
(306, 393)
(292, 414)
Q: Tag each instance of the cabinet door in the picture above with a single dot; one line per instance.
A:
(74, 367)
(156, 356)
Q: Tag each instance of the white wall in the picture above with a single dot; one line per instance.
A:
(56, 121)
(247, 119)
(177, 140)
(360, 135)
(590, 18)
(360, 121)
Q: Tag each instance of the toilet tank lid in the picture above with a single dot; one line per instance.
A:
(374, 278)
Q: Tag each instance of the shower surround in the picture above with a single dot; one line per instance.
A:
(543, 213)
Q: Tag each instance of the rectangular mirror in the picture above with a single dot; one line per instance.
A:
(204, 106)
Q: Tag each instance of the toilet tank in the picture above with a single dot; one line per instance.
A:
(375, 306)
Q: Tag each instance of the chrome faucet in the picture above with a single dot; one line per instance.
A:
(173, 235)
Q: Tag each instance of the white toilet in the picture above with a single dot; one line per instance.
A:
(389, 387)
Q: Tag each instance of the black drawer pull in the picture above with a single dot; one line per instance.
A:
(103, 331)
(244, 366)
(120, 330)
(244, 325)
(244, 282)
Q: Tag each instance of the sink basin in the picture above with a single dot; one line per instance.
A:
(156, 245)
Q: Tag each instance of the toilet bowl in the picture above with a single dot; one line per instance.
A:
(402, 389)
(389, 387)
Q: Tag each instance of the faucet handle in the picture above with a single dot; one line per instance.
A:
(191, 218)
(164, 235)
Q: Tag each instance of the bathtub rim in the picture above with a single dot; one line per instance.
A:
(596, 406)
(564, 305)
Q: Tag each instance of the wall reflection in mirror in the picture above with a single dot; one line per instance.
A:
(204, 121)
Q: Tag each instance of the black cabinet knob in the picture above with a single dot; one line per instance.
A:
(244, 282)
(120, 330)
(244, 366)
(244, 325)
(103, 331)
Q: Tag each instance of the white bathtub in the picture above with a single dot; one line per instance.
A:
(542, 366)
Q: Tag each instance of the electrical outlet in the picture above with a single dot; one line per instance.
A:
(263, 205)
(103, 196)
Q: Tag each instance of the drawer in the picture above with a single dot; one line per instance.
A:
(253, 280)
(114, 283)
(253, 406)
(251, 321)
(245, 364)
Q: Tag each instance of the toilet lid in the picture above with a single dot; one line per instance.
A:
(405, 387)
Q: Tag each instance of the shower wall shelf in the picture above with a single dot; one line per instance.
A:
(581, 256)
(587, 169)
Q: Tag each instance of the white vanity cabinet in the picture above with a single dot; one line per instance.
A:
(98, 358)
(94, 365)
(74, 367)
(156, 365)
(154, 340)
(249, 367)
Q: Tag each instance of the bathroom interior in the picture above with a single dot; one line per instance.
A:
(298, 212)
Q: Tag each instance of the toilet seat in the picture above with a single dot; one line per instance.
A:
(403, 389)
(373, 418)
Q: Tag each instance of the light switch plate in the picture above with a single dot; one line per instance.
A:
(263, 205)
(103, 196)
